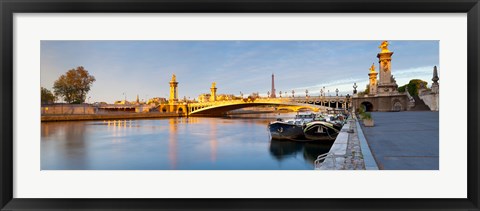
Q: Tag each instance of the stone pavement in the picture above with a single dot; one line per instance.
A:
(353, 156)
(405, 140)
(349, 152)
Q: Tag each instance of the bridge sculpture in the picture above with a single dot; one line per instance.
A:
(215, 108)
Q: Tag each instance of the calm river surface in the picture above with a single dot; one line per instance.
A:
(194, 143)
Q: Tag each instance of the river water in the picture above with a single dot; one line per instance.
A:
(194, 143)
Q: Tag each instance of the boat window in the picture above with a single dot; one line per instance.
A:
(320, 129)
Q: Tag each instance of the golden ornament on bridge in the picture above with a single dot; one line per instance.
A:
(384, 47)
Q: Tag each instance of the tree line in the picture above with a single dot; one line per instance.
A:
(72, 87)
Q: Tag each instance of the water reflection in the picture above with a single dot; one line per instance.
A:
(65, 141)
(213, 142)
(172, 144)
(282, 149)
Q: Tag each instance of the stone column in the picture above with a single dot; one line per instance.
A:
(435, 86)
(373, 81)
(386, 84)
(384, 59)
(173, 90)
(213, 92)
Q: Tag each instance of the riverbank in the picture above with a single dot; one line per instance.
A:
(350, 150)
(108, 116)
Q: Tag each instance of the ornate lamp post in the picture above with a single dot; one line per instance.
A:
(336, 90)
(355, 88)
(321, 96)
(293, 93)
(348, 102)
(306, 92)
(280, 93)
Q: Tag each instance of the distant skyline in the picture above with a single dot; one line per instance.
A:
(146, 67)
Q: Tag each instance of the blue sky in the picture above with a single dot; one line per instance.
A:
(146, 67)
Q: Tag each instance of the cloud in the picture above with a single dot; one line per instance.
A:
(345, 85)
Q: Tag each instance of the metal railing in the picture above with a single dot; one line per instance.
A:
(321, 159)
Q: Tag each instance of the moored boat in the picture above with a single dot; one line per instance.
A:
(290, 129)
(286, 130)
(320, 131)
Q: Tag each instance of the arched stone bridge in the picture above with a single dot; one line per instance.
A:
(221, 107)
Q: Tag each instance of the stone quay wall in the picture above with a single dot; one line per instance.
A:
(67, 109)
(431, 100)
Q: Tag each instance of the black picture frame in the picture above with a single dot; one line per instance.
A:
(9, 7)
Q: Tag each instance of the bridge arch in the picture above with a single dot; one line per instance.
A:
(367, 106)
(223, 107)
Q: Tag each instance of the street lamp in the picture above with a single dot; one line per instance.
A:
(293, 93)
(321, 92)
(348, 102)
(280, 93)
(306, 92)
(355, 88)
(336, 90)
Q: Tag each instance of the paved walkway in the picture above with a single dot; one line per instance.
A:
(404, 140)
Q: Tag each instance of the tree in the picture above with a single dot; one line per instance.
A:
(413, 86)
(367, 89)
(47, 96)
(74, 85)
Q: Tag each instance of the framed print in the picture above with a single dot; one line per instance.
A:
(251, 105)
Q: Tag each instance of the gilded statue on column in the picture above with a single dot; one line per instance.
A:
(384, 47)
(372, 68)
